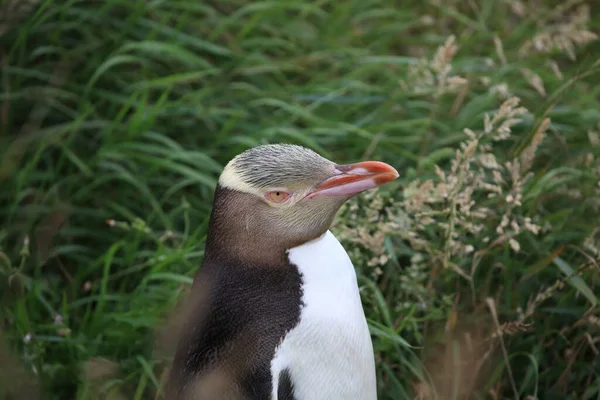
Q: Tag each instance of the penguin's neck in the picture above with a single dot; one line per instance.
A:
(239, 233)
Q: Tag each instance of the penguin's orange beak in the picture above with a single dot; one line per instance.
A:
(351, 179)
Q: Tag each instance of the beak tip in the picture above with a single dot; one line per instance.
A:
(383, 172)
(386, 177)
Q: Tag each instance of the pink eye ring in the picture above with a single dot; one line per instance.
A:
(277, 196)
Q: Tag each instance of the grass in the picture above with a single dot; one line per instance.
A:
(126, 111)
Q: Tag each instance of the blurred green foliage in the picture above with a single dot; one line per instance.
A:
(117, 117)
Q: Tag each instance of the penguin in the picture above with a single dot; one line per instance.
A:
(274, 310)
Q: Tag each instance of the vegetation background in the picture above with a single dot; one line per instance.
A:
(479, 267)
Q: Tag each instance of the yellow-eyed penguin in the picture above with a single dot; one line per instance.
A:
(276, 309)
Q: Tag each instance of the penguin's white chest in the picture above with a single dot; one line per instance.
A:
(329, 354)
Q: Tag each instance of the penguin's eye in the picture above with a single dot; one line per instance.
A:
(277, 196)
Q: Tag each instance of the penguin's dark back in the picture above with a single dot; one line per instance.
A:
(227, 344)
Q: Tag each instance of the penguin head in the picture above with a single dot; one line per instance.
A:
(291, 192)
